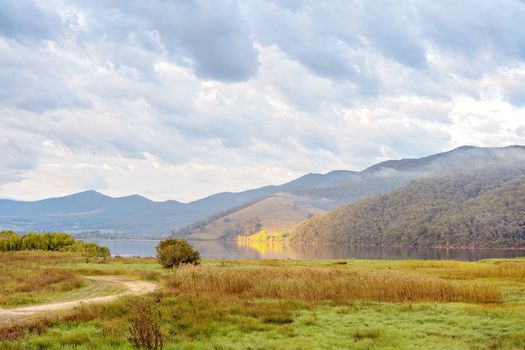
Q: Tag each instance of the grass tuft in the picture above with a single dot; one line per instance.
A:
(360, 334)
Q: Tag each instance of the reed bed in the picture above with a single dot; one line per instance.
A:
(498, 269)
(334, 284)
(504, 271)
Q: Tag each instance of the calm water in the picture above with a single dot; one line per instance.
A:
(254, 250)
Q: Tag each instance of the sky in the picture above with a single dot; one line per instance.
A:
(183, 99)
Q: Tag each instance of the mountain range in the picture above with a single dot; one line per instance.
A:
(224, 215)
(282, 211)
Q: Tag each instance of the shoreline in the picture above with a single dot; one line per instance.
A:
(310, 244)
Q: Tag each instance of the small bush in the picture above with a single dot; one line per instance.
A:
(174, 252)
(144, 331)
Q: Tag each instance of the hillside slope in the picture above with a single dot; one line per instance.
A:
(278, 213)
(327, 192)
(480, 207)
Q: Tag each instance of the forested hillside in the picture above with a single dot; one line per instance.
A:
(315, 193)
(479, 207)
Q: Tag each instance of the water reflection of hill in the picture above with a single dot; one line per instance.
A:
(225, 250)
(284, 251)
(263, 250)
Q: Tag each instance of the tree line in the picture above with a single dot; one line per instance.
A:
(50, 241)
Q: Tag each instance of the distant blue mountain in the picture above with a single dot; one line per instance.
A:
(134, 215)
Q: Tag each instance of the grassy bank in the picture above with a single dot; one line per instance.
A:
(294, 304)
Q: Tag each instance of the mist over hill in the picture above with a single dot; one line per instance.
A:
(479, 204)
(227, 214)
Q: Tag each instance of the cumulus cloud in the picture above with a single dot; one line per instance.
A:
(178, 100)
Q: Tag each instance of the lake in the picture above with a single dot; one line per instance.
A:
(260, 250)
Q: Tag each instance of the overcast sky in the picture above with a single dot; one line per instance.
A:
(182, 99)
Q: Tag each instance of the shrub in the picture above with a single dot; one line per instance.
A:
(174, 252)
(144, 331)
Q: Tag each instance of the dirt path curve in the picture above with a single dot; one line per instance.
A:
(133, 287)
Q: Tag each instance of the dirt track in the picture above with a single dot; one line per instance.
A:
(133, 287)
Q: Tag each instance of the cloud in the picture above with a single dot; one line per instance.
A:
(210, 38)
(476, 28)
(35, 79)
(181, 100)
(311, 38)
(26, 20)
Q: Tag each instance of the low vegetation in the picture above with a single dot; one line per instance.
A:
(34, 276)
(284, 304)
(20, 287)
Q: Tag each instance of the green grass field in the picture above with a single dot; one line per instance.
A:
(288, 304)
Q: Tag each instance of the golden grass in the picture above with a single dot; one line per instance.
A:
(35, 257)
(22, 286)
(29, 277)
(497, 269)
(335, 284)
(506, 271)
(32, 276)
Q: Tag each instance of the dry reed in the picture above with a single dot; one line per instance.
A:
(318, 284)
(505, 270)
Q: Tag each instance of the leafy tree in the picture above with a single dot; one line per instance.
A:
(91, 249)
(57, 241)
(35, 241)
(9, 241)
(174, 252)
